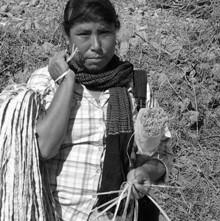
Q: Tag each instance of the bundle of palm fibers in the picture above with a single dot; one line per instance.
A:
(24, 193)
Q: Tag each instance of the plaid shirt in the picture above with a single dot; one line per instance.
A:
(75, 172)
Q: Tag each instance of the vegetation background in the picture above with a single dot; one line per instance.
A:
(178, 43)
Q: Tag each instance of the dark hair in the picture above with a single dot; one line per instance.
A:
(89, 10)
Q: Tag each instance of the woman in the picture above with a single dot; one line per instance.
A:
(87, 123)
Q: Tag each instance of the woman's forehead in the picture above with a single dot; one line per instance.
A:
(92, 26)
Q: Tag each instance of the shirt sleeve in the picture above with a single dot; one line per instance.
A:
(40, 81)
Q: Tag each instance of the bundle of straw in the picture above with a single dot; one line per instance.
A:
(21, 185)
(126, 194)
(149, 129)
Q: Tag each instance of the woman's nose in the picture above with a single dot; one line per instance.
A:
(96, 43)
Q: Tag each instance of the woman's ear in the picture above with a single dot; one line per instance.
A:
(67, 42)
(66, 37)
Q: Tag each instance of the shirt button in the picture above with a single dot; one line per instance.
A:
(98, 170)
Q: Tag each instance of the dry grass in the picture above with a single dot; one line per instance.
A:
(179, 46)
(182, 55)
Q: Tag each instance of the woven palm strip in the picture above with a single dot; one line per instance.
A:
(21, 185)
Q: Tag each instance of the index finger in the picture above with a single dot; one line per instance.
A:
(59, 54)
(143, 190)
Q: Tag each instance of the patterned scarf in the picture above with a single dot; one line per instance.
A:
(116, 79)
(119, 121)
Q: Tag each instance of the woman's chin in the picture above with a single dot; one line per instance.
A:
(94, 68)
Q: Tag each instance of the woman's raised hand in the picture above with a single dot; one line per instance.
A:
(58, 65)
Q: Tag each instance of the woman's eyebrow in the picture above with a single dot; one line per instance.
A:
(106, 28)
(83, 30)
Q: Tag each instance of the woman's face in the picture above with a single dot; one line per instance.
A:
(95, 42)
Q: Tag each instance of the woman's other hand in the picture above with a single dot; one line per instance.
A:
(151, 172)
(140, 182)
(58, 65)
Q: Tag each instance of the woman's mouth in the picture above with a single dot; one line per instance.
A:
(95, 59)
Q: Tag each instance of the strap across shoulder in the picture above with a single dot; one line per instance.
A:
(140, 87)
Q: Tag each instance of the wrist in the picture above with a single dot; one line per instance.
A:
(68, 74)
(155, 168)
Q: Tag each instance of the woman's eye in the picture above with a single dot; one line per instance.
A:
(83, 34)
(105, 32)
